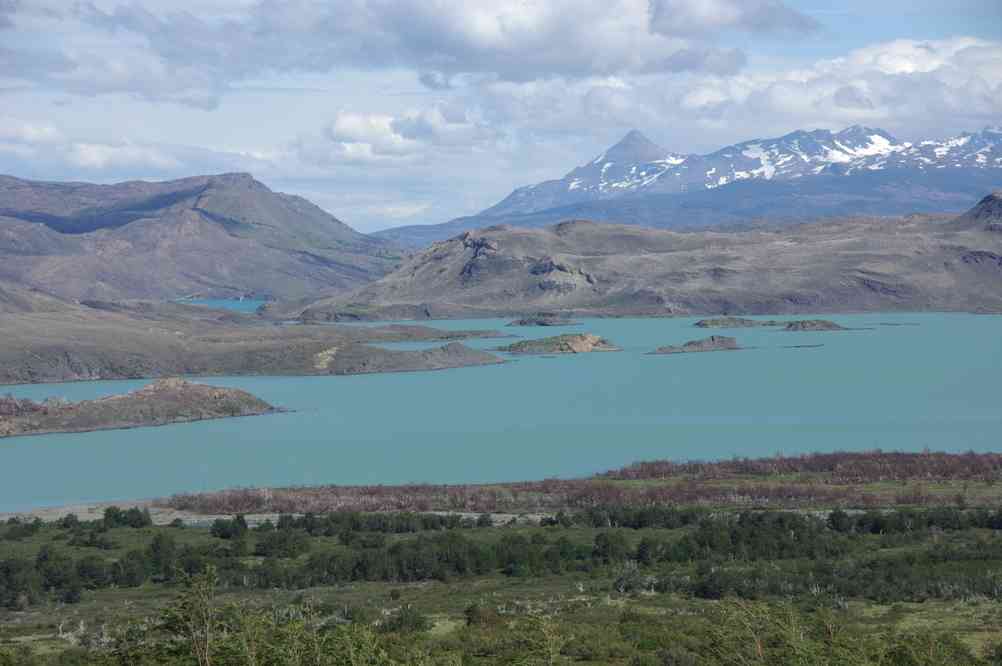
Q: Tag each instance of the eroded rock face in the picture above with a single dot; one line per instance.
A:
(712, 343)
(578, 343)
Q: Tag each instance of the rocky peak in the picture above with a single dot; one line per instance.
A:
(634, 148)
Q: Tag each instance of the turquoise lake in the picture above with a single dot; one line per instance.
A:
(248, 305)
(931, 381)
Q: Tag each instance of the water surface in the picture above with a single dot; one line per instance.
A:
(933, 385)
(245, 305)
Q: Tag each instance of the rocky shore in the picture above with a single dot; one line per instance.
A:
(134, 340)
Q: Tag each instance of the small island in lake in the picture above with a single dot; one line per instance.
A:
(736, 322)
(743, 322)
(576, 343)
(544, 320)
(163, 402)
(814, 325)
(712, 343)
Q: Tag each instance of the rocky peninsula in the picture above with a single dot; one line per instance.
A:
(163, 402)
(712, 343)
(577, 343)
(50, 340)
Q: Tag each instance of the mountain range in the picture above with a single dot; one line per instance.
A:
(801, 175)
(214, 236)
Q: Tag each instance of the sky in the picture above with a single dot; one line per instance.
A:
(393, 112)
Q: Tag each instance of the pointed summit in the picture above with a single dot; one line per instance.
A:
(634, 148)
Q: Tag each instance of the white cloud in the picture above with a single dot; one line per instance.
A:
(903, 84)
(179, 52)
(686, 17)
(374, 131)
(909, 87)
(14, 130)
(104, 156)
(391, 111)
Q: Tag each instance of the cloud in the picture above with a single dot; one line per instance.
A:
(7, 8)
(369, 134)
(32, 63)
(688, 17)
(37, 150)
(445, 125)
(160, 53)
(435, 80)
(429, 134)
(911, 87)
(919, 86)
(104, 156)
(404, 111)
(31, 134)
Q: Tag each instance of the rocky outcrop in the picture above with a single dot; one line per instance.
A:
(712, 343)
(986, 216)
(364, 359)
(578, 343)
(163, 402)
(813, 325)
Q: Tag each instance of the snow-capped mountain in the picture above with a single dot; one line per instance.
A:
(637, 166)
(803, 175)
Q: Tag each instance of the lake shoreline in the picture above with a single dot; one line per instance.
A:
(560, 416)
(852, 480)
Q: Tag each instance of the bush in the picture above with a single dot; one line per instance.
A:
(482, 615)
(406, 621)
(283, 543)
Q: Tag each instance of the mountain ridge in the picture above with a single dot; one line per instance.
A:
(585, 268)
(222, 235)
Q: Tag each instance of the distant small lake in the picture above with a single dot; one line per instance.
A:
(908, 387)
(245, 305)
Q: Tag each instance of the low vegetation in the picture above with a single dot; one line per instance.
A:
(617, 572)
(859, 480)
